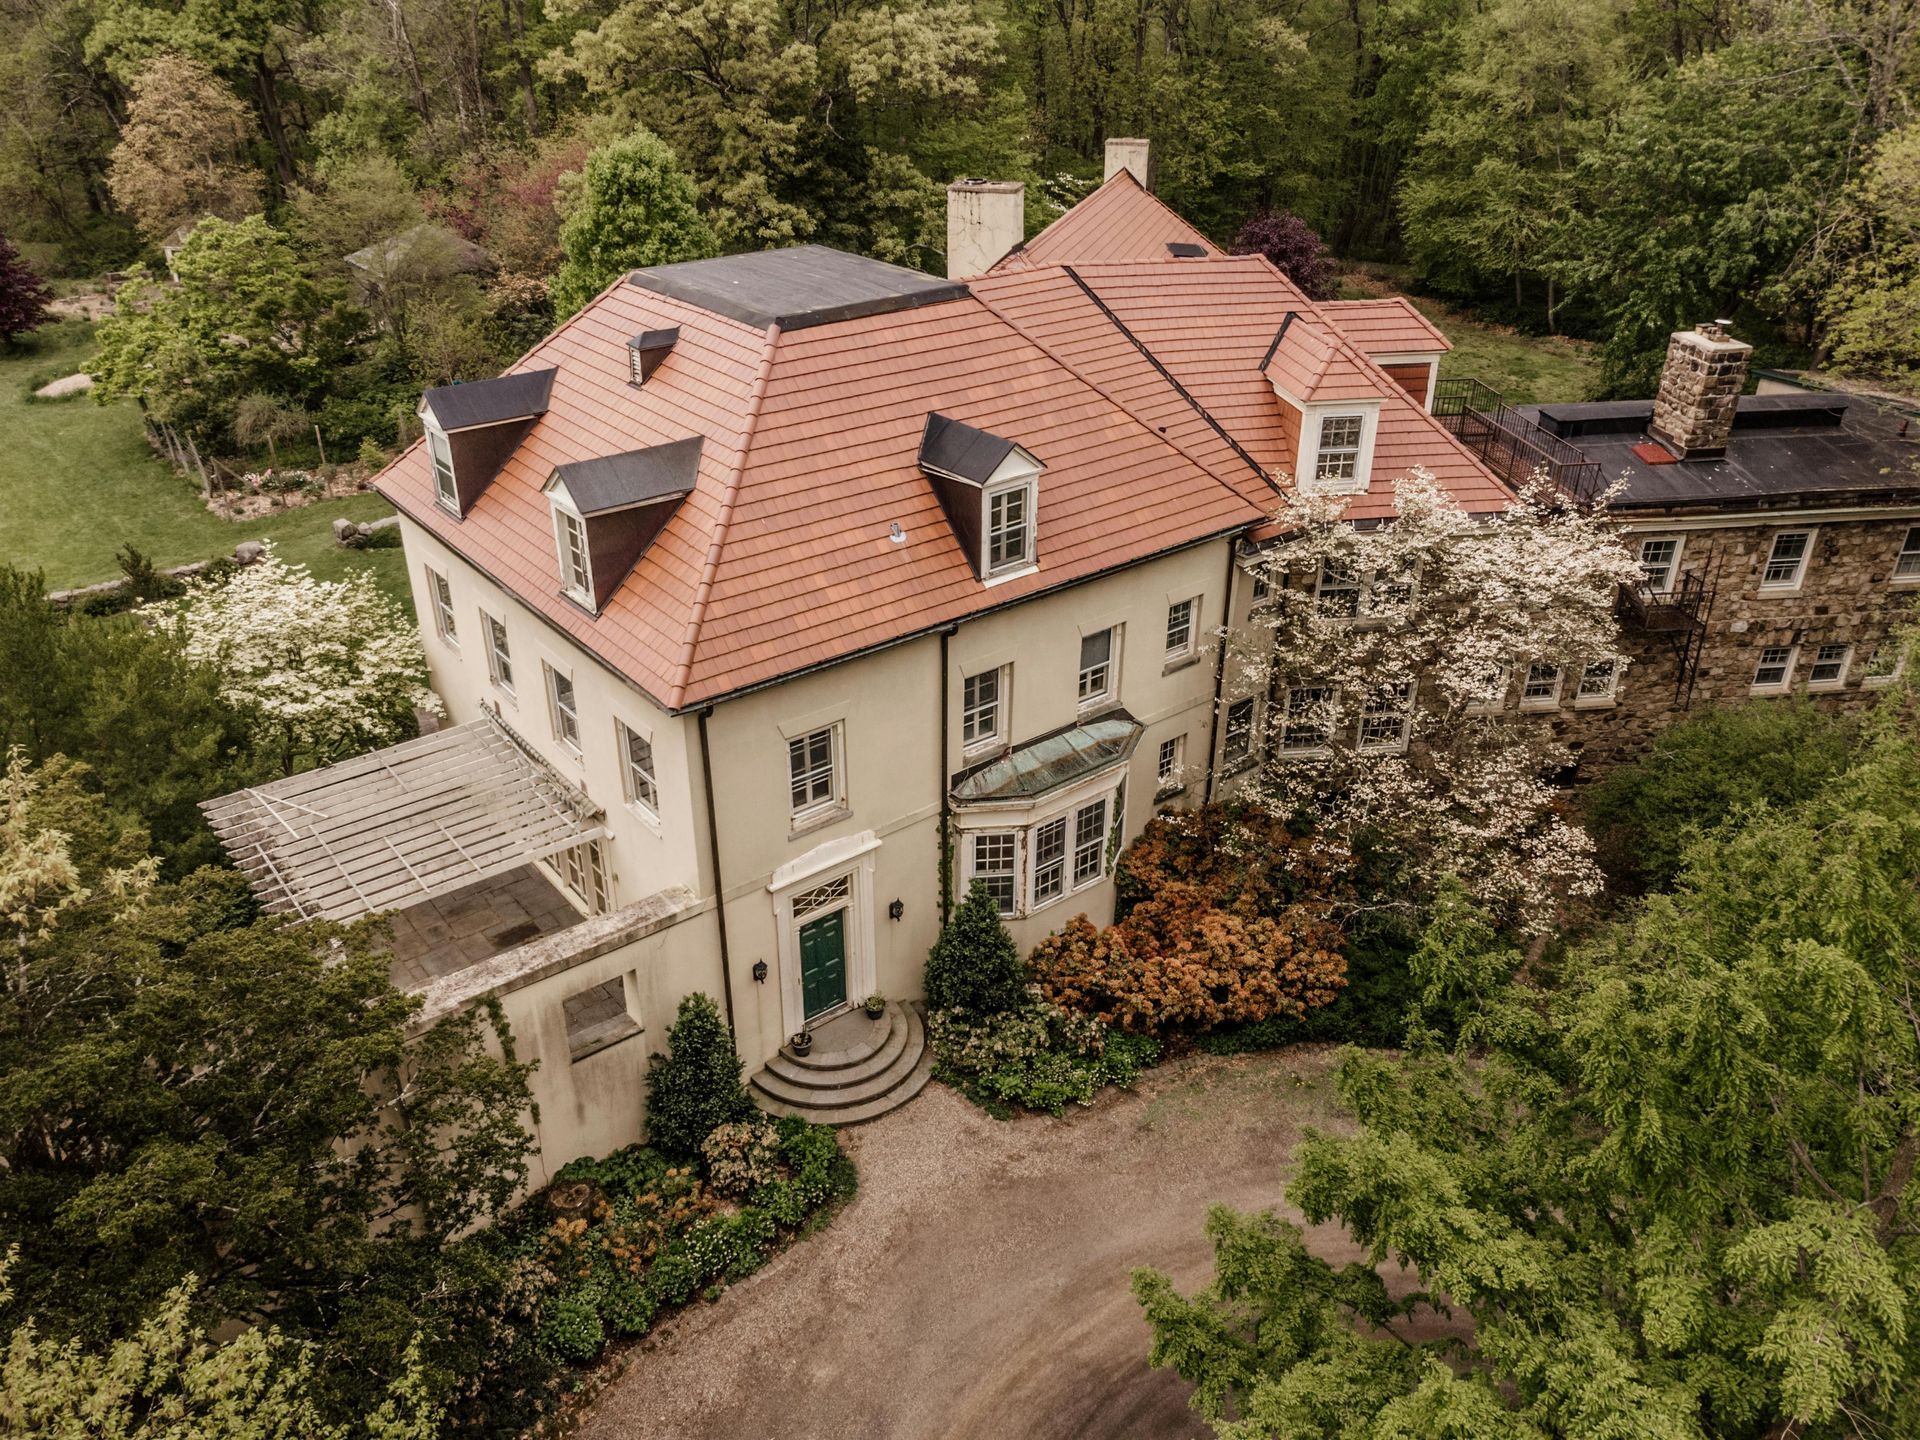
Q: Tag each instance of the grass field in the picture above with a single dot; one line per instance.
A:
(78, 481)
(1525, 369)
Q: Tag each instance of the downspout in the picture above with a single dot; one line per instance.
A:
(944, 839)
(1220, 670)
(719, 890)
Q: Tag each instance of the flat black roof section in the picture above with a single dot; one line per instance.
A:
(959, 450)
(635, 477)
(1783, 449)
(490, 402)
(798, 287)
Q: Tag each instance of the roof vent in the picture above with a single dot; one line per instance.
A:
(648, 350)
(1185, 250)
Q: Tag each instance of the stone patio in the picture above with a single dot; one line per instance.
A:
(449, 933)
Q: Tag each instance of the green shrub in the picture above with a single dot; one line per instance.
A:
(729, 1247)
(695, 1086)
(975, 965)
(627, 1307)
(673, 1279)
(571, 1327)
(1039, 1057)
(624, 1173)
(742, 1155)
(1700, 772)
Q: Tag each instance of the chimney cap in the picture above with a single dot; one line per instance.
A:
(989, 187)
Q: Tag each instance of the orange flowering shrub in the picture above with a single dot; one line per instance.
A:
(1225, 920)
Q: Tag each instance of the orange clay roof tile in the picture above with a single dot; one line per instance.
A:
(1120, 221)
(1387, 326)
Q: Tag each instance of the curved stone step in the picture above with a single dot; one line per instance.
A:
(825, 1102)
(843, 1056)
(912, 1085)
(806, 1074)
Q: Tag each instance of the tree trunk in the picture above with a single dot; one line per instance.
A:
(267, 97)
(516, 17)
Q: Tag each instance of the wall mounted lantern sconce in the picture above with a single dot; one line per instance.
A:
(896, 909)
(759, 972)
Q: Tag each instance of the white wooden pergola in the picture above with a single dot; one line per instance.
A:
(397, 826)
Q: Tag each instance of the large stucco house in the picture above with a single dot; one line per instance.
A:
(776, 598)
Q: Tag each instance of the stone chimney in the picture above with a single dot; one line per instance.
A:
(985, 219)
(1700, 387)
(1134, 155)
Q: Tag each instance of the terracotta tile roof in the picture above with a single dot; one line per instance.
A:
(1119, 221)
(780, 558)
(1308, 361)
(1388, 326)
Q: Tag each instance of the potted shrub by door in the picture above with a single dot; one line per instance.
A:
(800, 1044)
(876, 1006)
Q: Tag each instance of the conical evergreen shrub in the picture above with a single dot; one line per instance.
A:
(695, 1086)
(974, 965)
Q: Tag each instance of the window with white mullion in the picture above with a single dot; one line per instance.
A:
(1236, 741)
(981, 708)
(1096, 667)
(1383, 719)
(443, 618)
(636, 763)
(576, 565)
(1598, 680)
(1906, 565)
(812, 772)
(1337, 461)
(1307, 724)
(1049, 861)
(1181, 617)
(441, 451)
(499, 656)
(1787, 560)
(992, 861)
(1659, 556)
(1830, 663)
(564, 704)
(1541, 688)
(1089, 843)
(1336, 594)
(1774, 669)
(1009, 538)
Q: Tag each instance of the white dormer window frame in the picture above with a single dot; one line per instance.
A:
(1010, 519)
(1327, 440)
(440, 451)
(574, 557)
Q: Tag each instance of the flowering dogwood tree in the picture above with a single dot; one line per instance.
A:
(1392, 654)
(326, 668)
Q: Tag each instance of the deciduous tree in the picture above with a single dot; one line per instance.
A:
(180, 153)
(634, 207)
(23, 296)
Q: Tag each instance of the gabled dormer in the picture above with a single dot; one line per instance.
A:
(472, 429)
(607, 511)
(1337, 402)
(989, 488)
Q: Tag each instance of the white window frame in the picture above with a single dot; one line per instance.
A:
(1366, 587)
(1354, 455)
(995, 735)
(563, 715)
(1395, 706)
(1787, 586)
(1110, 684)
(1168, 762)
(1787, 668)
(1906, 564)
(806, 810)
(1587, 694)
(493, 635)
(1183, 619)
(440, 596)
(1291, 747)
(1670, 571)
(446, 492)
(1088, 843)
(1233, 732)
(1868, 676)
(1011, 874)
(577, 585)
(639, 782)
(1028, 489)
(583, 873)
(1844, 660)
(1497, 699)
(1547, 701)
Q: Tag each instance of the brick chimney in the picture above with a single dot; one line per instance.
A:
(985, 219)
(1134, 155)
(1700, 387)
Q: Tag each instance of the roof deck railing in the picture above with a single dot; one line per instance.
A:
(1511, 445)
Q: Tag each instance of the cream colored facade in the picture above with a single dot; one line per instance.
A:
(874, 850)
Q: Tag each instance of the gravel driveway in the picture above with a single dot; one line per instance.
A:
(977, 1286)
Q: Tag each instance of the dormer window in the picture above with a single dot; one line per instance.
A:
(576, 565)
(608, 511)
(646, 352)
(441, 450)
(1338, 461)
(1336, 447)
(989, 488)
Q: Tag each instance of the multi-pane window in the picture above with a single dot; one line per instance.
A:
(1089, 842)
(1490, 694)
(1308, 721)
(1787, 561)
(1830, 665)
(1050, 861)
(583, 869)
(1657, 561)
(1383, 719)
(1260, 587)
(1907, 566)
(1009, 529)
(576, 570)
(1096, 666)
(1236, 743)
(1541, 689)
(1598, 680)
(812, 782)
(991, 861)
(442, 593)
(1883, 665)
(1338, 461)
(636, 768)
(442, 453)
(1166, 766)
(1775, 668)
(565, 708)
(1180, 625)
(1341, 593)
(981, 706)
(499, 657)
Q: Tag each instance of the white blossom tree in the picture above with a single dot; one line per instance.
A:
(1393, 655)
(326, 668)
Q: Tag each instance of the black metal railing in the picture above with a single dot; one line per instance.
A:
(1677, 616)
(1510, 444)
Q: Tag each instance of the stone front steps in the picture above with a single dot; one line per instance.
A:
(857, 1070)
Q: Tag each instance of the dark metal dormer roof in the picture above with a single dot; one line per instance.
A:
(489, 402)
(798, 287)
(960, 452)
(650, 349)
(635, 477)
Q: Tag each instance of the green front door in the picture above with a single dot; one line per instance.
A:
(823, 963)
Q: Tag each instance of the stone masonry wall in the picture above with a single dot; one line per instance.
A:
(1847, 596)
(1699, 391)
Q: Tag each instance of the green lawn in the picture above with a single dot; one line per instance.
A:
(1525, 369)
(78, 481)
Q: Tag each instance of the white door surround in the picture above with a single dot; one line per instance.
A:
(850, 859)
